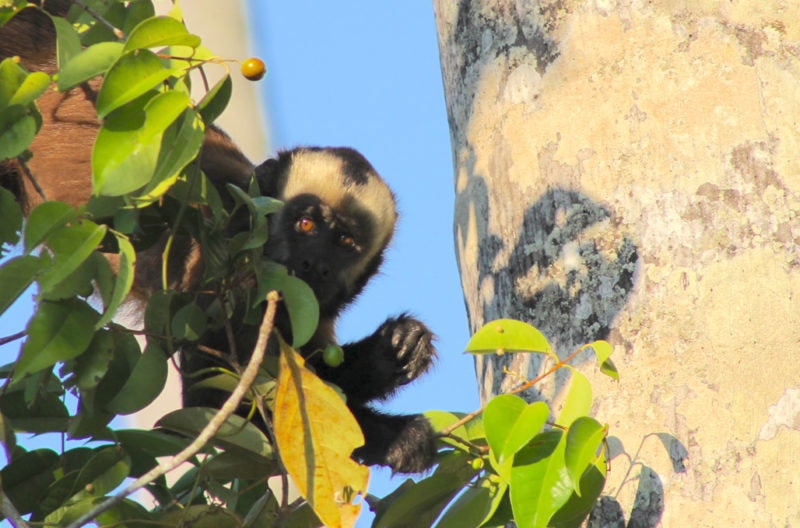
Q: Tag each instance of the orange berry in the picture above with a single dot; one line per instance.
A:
(253, 69)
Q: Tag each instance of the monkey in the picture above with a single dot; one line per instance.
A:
(337, 219)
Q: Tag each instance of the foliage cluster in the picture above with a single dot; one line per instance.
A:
(510, 460)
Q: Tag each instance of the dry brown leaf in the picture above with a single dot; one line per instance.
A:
(316, 433)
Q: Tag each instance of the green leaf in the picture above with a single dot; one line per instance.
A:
(578, 507)
(420, 503)
(91, 62)
(58, 331)
(189, 322)
(476, 505)
(180, 145)
(124, 279)
(10, 220)
(45, 219)
(540, 483)
(578, 402)
(134, 74)
(44, 414)
(32, 87)
(68, 43)
(298, 298)
(15, 276)
(153, 443)
(80, 282)
(584, 438)
(158, 32)
(511, 423)
(91, 366)
(233, 464)
(507, 335)
(27, 477)
(199, 516)
(603, 350)
(127, 148)
(144, 384)
(12, 76)
(235, 432)
(71, 246)
(216, 100)
(18, 127)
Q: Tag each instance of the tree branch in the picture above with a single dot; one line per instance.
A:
(208, 432)
(10, 512)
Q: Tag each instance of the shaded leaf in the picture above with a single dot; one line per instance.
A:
(68, 43)
(508, 335)
(236, 432)
(10, 221)
(27, 477)
(476, 505)
(200, 516)
(577, 508)
(216, 100)
(144, 384)
(18, 127)
(123, 281)
(45, 219)
(58, 331)
(316, 433)
(15, 276)
(45, 414)
(71, 246)
(189, 322)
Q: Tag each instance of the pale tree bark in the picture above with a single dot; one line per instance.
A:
(630, 170)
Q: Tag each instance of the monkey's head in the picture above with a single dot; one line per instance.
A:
(337, 219)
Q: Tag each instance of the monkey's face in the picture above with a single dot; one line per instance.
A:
(322, 246)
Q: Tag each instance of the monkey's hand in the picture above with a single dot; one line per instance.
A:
(399, 351)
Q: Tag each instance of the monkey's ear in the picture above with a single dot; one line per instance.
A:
(267, 177)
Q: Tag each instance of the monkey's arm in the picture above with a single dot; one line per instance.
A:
(399, 351)
(406, 443)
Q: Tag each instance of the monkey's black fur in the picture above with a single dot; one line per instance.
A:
(352, 216)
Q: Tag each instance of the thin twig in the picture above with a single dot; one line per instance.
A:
(31, 177)
(100, 18)
(10, 511)
(527, 385)
(12, 337)
(208, 432)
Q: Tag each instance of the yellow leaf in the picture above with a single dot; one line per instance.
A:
(316, 433)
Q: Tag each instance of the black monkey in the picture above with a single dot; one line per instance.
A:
(338, 218)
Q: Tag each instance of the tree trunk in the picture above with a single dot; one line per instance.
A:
(629, 171)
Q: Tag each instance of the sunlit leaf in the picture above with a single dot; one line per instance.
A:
(91, 62)
(134, 74)
(511, 423)
(540, 483)
(578, 402)
(144, 384)
(603, 350)
(316, 434)
(298, 298)
(32, 87)
(158, 32)
(58, 331)
(508, 335)
(584, 438)
(126, 151)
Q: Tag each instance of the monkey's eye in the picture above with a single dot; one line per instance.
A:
(305, 225)
(347, 241)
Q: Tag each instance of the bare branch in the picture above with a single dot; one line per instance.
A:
(10, 512)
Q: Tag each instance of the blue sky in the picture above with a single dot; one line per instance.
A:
(366, 74)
